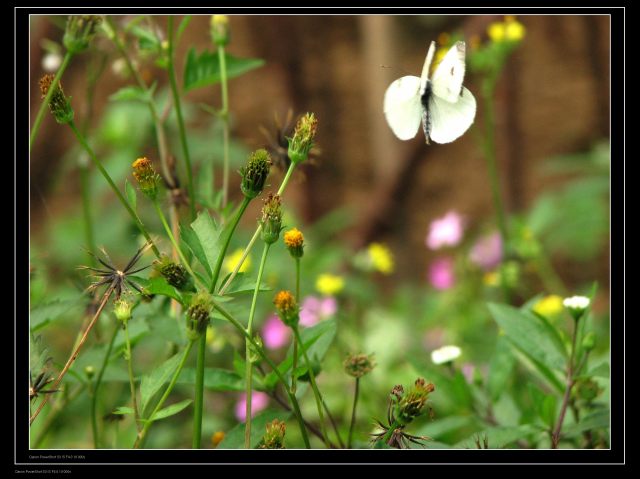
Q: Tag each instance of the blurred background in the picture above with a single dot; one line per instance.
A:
(363, 185)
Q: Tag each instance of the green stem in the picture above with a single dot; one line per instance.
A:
(226, 241)
(96, 387)
(113, 186)
(389, 433)
(132, 381)
(555, 437)
(167, 230)
(222, 58)
(353, 413)
(260, 350)
(198, 404)
(143, 434)
(314, 386)
(183, 134)
(295, 343)
(56, 409)
(45, 104)
(248, 365)
(249, 246)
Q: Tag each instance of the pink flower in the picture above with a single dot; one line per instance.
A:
(259, 402)
(445, 231)
(468, 369)
(316, 309)
(487, 251)
(275, 333)
(441, 274)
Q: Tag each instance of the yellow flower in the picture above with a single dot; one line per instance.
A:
(216, 438)
(232, 261)
(496, 31)
(514, 30)
(381, 258)
(549, 305)
(491, 278)
(329, 284)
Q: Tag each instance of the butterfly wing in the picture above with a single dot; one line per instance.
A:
(402, 107)
(447, 79)
(448, 121)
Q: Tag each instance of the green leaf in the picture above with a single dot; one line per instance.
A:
(243, 283)
(544, 404)
(316, 339)
(171, 410)
(601, 371)
(159, 285)
(131, 194)
(204, 69)
(526, 331)
(43, 314)
(499, 437)
(214, 379)
(598, 419)
(443, 427)
(134, 93)
(190, 238)
(152, 382)
(147, 40)
(183, 25)
(234, 439)
(122, 410)
(208, 233)
(540, 369)
(500, 368)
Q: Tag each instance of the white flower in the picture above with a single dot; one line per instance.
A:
(445, 354)
(51, 62)
(577, 302)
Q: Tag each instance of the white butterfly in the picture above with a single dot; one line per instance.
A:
(446, 108)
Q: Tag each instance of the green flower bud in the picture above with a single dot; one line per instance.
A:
(302, 141)
(254, 175)
(274, 436)
(271, 221)
(589, 341)
(122, 310)
(59, 104)
(359, 365)
(146, 177)
(586, 390)
(198, 315)
(175, 274)
(287, 308)
(220, 30)
(79, 31)
(89, 372)
(410, 405)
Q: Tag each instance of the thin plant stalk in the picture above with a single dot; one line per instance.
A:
(56, 409)
(181, 128)
(295, 343)
(249, 246)
(202, 342)
(45, 103)
(260, 350)
(314, 386)
(105, 174)
(248, 354)
(75, 353)
(132, 380)
(86, 211)
(96, 387)
(143, 434)
(353, 413)
(225, 123)
(555, 437)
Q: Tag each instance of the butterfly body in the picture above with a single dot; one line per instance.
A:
(445, 108)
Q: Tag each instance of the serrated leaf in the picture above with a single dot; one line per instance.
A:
(500, 368)
(131, 194)
(152, 382)
(208, 233)
(158, 285)
(527, 332)
(598, 419)
(171, 410)
(190, 238)
(234, 439)
(122, 410)
(204, 69)
(134, 93)
(242, 284)
(43, 314)
(214, 379)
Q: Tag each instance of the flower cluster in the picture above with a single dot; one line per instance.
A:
(287, 308)
(175, 273)
(146, 176)
(359, 365)
(274, 435)
(79, 31)
(271, 219)
(59, 104)
(294, 241)
(302, 141)
(254, 175)
(198, 314)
